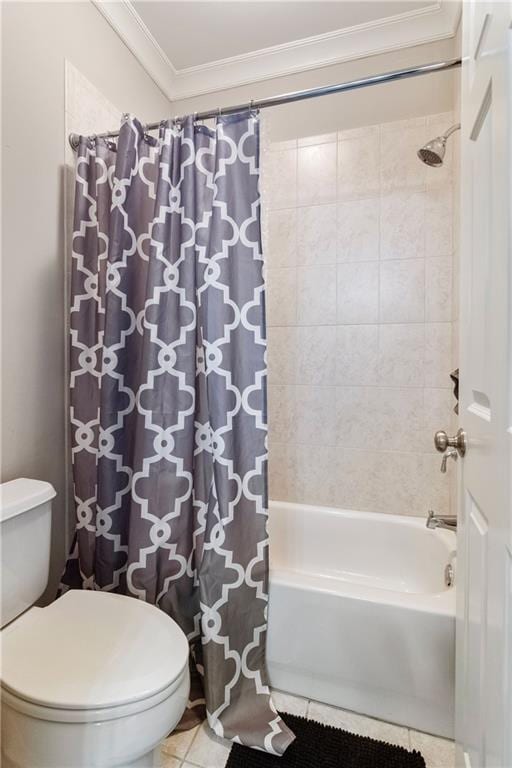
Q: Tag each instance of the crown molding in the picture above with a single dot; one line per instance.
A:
(435, 22)
(124, 19)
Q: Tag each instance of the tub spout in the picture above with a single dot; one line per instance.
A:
(449, 522)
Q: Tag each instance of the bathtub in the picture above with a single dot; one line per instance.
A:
(360, 616)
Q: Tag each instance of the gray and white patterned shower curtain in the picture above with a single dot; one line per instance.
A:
(168, 399)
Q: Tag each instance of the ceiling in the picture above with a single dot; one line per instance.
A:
(192, 47)
(192, 33)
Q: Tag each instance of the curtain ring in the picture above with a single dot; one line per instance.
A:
(219, 112)
(195, 116)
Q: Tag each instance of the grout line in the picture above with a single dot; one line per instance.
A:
(372, 323)
(192, 742)
(338, 163)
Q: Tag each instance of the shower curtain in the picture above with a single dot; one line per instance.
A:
(168, 400)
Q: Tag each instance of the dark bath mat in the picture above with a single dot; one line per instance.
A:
(322, 746)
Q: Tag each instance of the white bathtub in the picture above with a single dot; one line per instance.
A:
(359, 613)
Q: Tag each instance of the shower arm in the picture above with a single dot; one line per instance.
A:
(448, 133)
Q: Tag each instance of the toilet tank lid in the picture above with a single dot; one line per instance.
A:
(20, 495)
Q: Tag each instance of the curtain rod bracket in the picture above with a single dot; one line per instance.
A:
(74, 140)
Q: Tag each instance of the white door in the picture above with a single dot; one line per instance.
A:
(484, 610)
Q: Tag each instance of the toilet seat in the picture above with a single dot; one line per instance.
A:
(91, 656)
(60, 715)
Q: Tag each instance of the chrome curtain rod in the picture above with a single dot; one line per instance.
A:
(309, 93)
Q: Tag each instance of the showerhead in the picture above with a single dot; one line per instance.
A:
(432, 153)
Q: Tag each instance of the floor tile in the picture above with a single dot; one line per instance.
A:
(170, 762)
(207, 750)
(359, 724)
(294, 705)
(438, 753)
(203, 749)
(178, 743)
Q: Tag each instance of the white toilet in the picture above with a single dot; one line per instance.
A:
(94, 679)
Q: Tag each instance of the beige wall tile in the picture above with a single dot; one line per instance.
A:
(358, 166)
(282, 472)
(317, 174)
(402, 291)
(379, 418)
(403, 483)
(316, 235)
(316, 474)
(357, 354)
(282, 355)
(438, 413)
(359, 380)
(402, 225)
(439, 222)
(316, 295)
(282, 413)
(316, 356)
(438, 354)
(358, 230)
(436, 485)
(281, 179)
(376, 481)
(401, 355)
(358, 292)
(281, 296)
(438, 289)
(358, 474)
(282, 238)
(400, 166)
(316, 415)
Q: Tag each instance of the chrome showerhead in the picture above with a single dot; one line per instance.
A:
(432, 153)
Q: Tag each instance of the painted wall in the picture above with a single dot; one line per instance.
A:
(37, 38)
(428, 94)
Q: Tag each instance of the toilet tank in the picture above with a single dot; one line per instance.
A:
(25, 527)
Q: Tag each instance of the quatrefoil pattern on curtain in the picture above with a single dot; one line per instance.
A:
(168, 399)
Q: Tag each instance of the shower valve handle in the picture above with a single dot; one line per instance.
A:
(442, 441)
(451, 453)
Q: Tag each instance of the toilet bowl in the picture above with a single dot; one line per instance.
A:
(94, 680)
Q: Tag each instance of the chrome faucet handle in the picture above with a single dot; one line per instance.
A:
(450, 454)
(442, 441)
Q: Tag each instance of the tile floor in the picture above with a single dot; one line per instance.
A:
(200, 748)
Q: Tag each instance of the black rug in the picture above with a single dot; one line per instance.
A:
(322, 746)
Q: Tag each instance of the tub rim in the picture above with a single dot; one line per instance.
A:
(438, 603)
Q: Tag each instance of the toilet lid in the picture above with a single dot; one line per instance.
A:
(92, 649)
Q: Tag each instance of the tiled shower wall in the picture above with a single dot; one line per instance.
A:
(359, 252)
